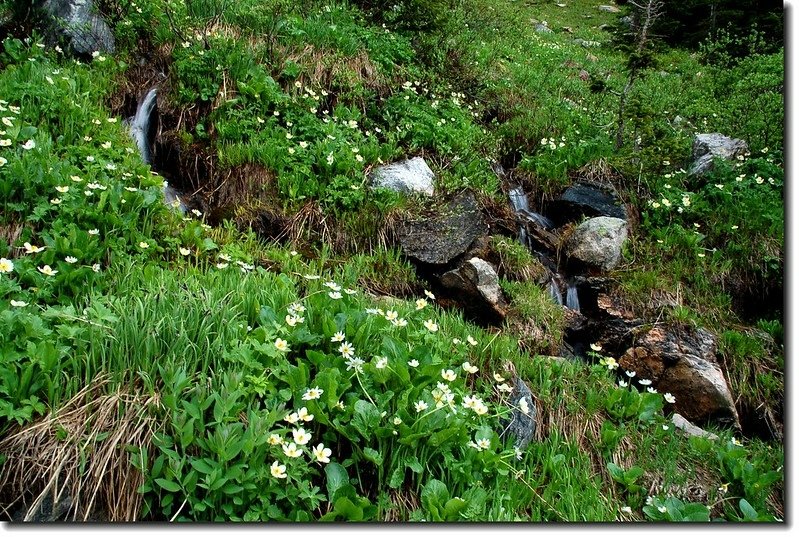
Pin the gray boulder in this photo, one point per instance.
(412, 176)
(440, 236)
(598, 241)
(682, 361)
(543, 28)
(608, 9)
(477, 283)
(708, 147)
(78, 22)
(521, 426)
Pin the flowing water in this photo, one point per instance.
(572, 301)
(521, 206)
(140, 131)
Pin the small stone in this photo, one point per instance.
(521, 425)
(411, 176)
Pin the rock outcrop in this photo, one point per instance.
(477, 285)
(522, 424)
(683, 362)
(77, 23)
(586, 200)
(440, 237)
(689, 428)
(708, 147)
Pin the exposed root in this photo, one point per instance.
(77, 457)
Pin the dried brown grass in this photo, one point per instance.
(79, 453)
(10, 233)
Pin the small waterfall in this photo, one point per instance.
(572, 301)
(140, 124)
(140, 131)
(537, 218)
(518, 200)
(554, 292)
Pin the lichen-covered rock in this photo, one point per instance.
(708, 147)
(78, 23)
(440, 237)
(597, 242)
(412, 176)
(683, 362)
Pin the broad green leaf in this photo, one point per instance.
(166, 484)
(336, 478)
(366, 417)
(453, 508)
(749, 512)
(348, 510)
(372, 455)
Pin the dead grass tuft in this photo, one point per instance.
(328, 69)
(78, 455)
(10, 233)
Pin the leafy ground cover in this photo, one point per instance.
(232, 378)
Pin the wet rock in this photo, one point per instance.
(440, 237)
(583, 199)
(522, 424)
(412, 176)
(477, 283)
(597, 242)
(77, 23)
(535, 233)
(689, 428)
(46, 511)
(708, 147)
(682, 361)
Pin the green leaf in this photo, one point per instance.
(208, 245)
(202, 465)
(453, 508)
(439, 437)
(336, 478)
(616, 472)
(749, 512)
(348, 510)
(372, 455)
(166, 484)
(696, 512)
(632, 474)
(434, 496)
(366, 417)
(414, 464)
(397, 477)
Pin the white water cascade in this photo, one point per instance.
(521, 206)
(572, 301)
(140, 131)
